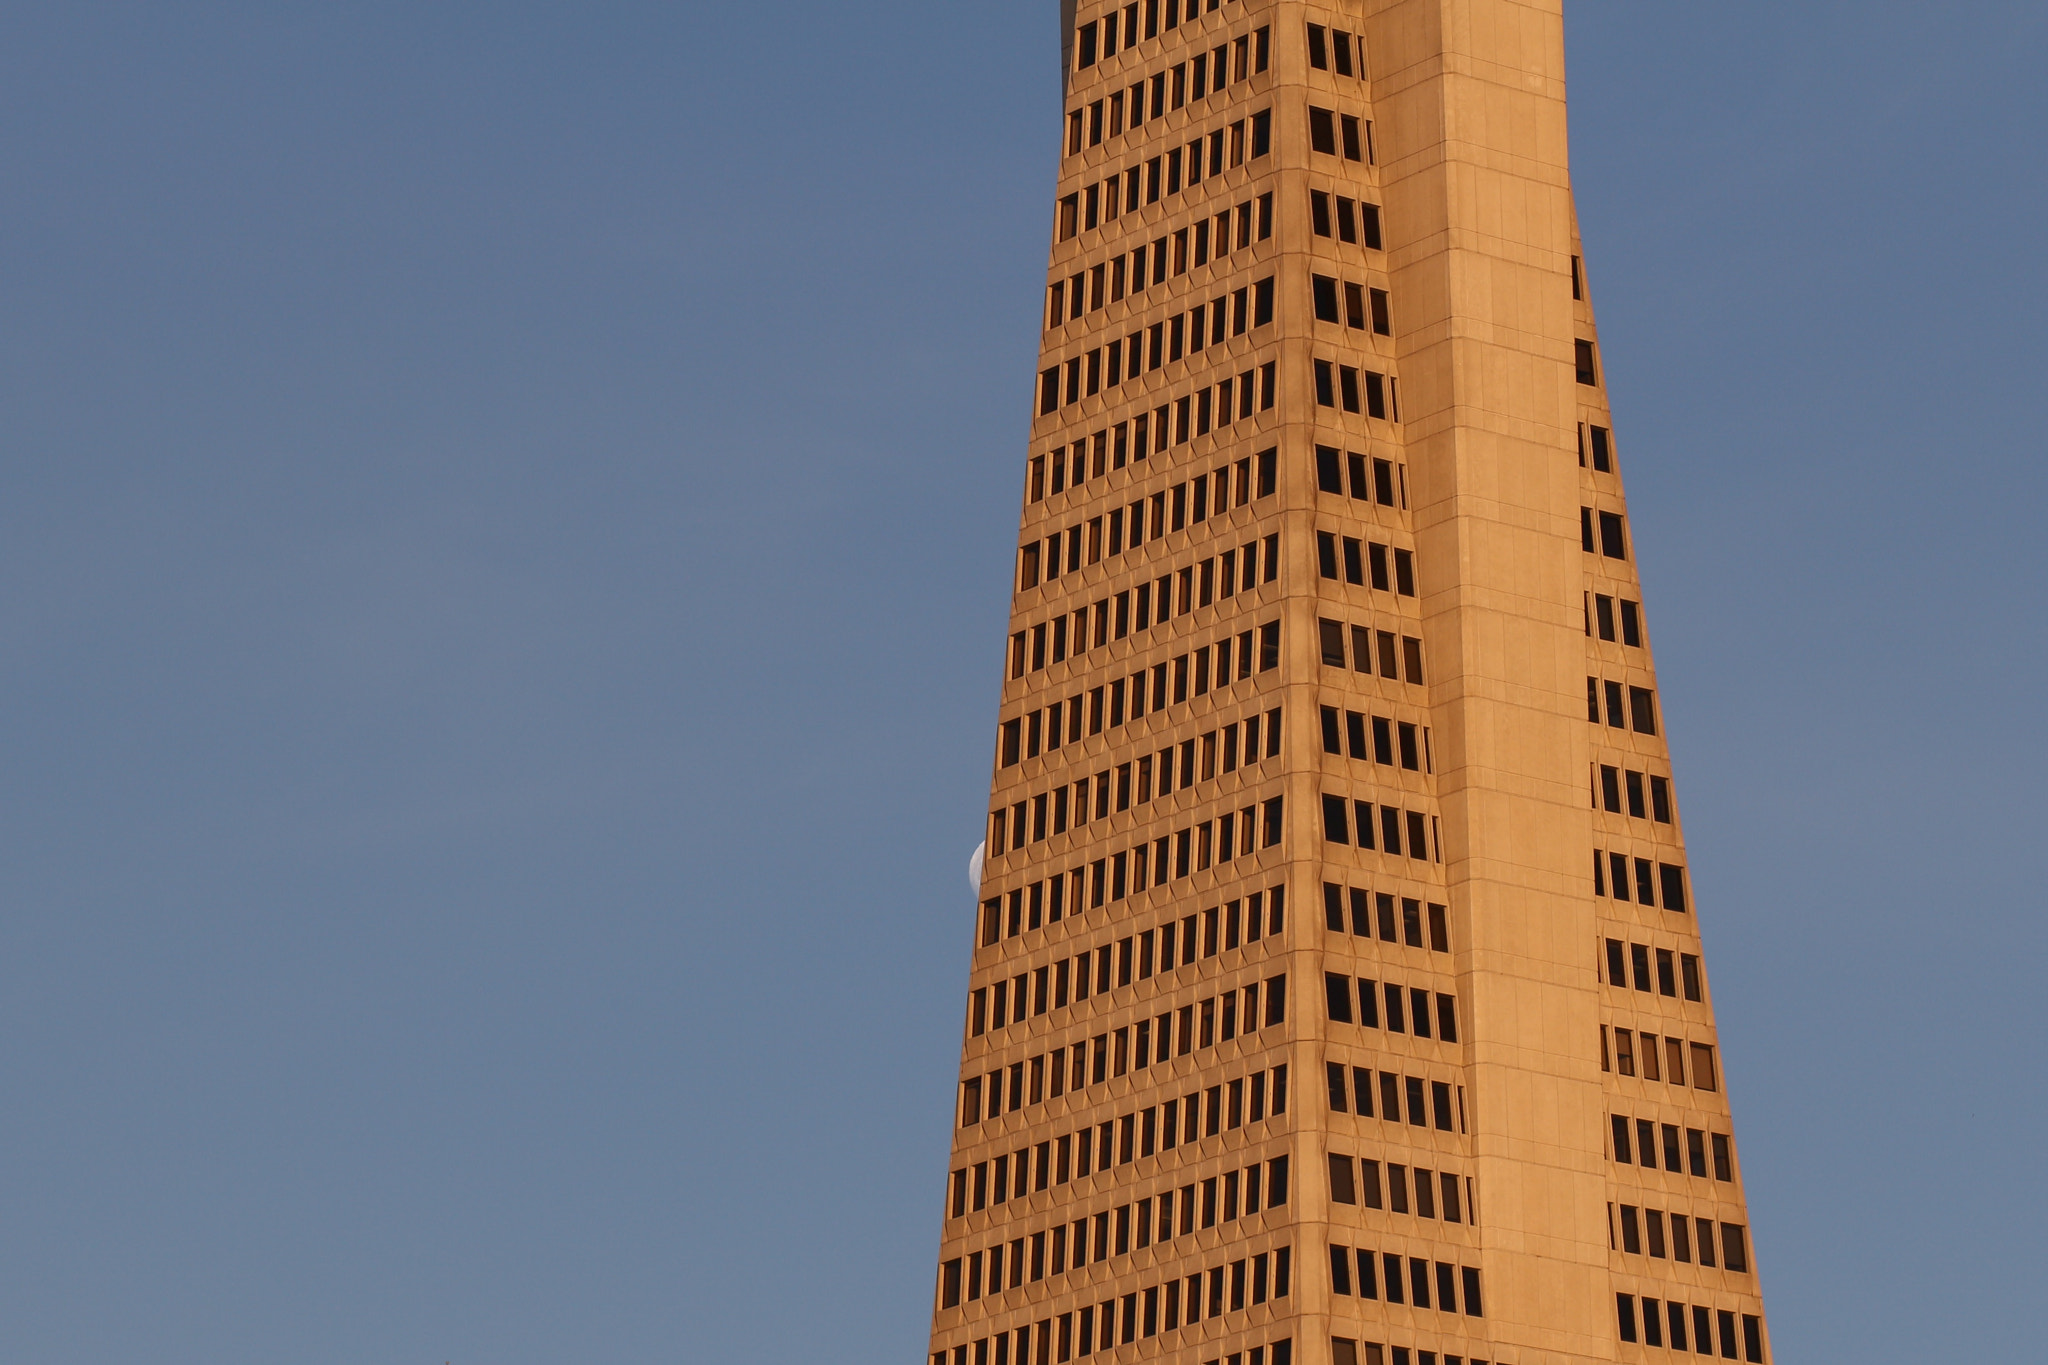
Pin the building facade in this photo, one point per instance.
(1336, 994)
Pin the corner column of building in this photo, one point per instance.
(1470, 99)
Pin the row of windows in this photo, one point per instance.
(1659, 1063)
(1640, 715)
(1363, 307)
(1128, 442)
(1129, 872)
(1365, 563)
(1132, 611)
(1429, 1103)
(1162, 177)
(1107, 282)
(1332, 50)
(1282, 1354)
(1703, 1321)
(1134, 957)
(1600, 614)
(1643, 1229)
(1411, 924)
(1339, 386)
(1357, 1181)
(1328, 131)
(1344, 1351)
(1612, 543)
(1184, 674)
(1387, 486)
(1603, 450)
(1143, 1314)
(1189, 82)
(1074, 1156)
(1172, 509)
(1068, 1159)
(1133, 1048)
(1097, 38)
(1259, 914)
(1211, 407)
(1407, 1010)
(1166, 341)
(1226, 1103)
(1193, 760)
(1341, 817)
(1116, 1232)
(1170, 857)
(1611, 870)
(1417, 1287)
(1347, 220)
(1198, 756)
(1399, 657)
(1610, 784)
(1667, 981)
(1693, 1159)
(1352, 726)
(1048, 726)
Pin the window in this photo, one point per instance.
(1582, 352)
(1672, 883)
(1603, 459)
(1703, 1066)
(1642, 710)
(1322, 130)
(1352, 146)
(1612, 543)
(1332, 634)
(1325, 292)
(1342, 1189)
(1734, 1248)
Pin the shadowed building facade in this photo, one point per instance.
(1336, 993)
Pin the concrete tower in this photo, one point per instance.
(1337, 992)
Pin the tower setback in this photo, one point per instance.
(1337, 995)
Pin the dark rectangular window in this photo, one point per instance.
(1673, 886)
(1612, 543)
(1642, 711)
(1322, 131)
(1337, 992)
(1336, 828)
(1324, 289)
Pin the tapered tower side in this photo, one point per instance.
(1336, 995)
(1470, 94)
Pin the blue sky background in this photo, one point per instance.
(504, 525)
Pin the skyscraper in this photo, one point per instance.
(1336, 995)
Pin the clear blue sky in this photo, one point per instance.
(504, 525)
